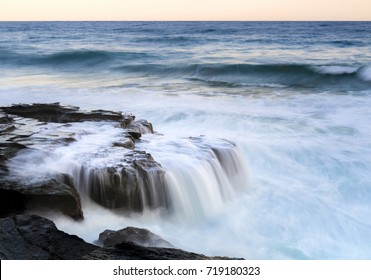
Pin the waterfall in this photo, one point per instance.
(189, 178)
(202, 174)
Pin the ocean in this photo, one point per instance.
(294, 97)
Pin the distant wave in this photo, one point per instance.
(346, 77)
(75, 58)
(179, 40)
(342, 77)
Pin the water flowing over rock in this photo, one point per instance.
(53, 156)
(98, 150)
(136, 184)
(203, 176)
(133, 184)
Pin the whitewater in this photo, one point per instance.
(291, 100)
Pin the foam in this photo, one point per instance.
(365, 73)
(336, 70)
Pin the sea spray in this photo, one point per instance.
(296, 102)
(195, 176)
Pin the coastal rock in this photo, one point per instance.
(31, 237)
(11, 202)
(139, 236)
(7, 151)
(54, 112)
(17, 196)
(129, 185)
(131, 251)
(137, 183)
(6, 123)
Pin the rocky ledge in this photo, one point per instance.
(128, 186)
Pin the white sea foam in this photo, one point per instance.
(307, 148)
(336, 69)
(365, 73)
(309, 171)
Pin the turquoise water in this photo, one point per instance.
(294, 96)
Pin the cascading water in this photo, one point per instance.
(201, 173)
(196, 176)
(296, 103)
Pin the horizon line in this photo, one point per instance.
(200, 20)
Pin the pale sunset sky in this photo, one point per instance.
(185, 10)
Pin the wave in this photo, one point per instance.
(340, 77)
(79, 58)
(293, 75)
(178, 40)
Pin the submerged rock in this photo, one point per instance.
(139, 236)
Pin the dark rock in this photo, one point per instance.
(9, 150)
(135, 134)
(126, 121)
(11, 202)
(6, 123)
(30, 237)
(141, 126)
(54, 112)
(5, 119)
(131, 251)
(127, 143)
(45, 195)
(139, 236)
(137, 183)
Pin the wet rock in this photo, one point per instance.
(7, 151)
(54, 112)
(6, 123)
(40, 196)
(139, 236)
(135, 134)
(136, 184)
(31, 237)
(141, 126)
(11, 202)
(131, 251)
(127, 143)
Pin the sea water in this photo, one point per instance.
(294, 97)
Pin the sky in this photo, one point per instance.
(185, 10)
